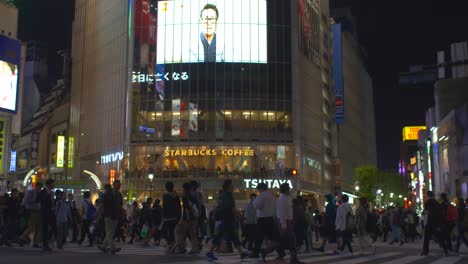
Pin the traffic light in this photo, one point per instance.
(292, 172)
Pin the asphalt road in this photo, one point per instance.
(136, 254)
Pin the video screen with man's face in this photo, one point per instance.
(200, 31)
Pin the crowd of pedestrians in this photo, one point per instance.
(42, 217)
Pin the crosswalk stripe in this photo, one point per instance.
(447, 260)
(367, 258)
(324, 258)
(405, 260)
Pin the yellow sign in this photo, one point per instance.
(413, 161)
(71, 151)
(208, 152)
(60, 151)
(411, 132)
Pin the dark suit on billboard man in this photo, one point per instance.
(208, 51)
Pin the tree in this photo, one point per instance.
(366, 176)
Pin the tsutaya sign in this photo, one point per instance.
(208, 152)
(271, 183)
(108, 158)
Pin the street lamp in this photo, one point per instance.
(356, 188)
(379, 191)
(400, 196)
(151, 177)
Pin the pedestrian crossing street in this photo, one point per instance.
(383, 256)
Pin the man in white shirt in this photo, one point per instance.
(265, 205)
(284, 214)
(342, 214)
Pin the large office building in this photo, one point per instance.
(202, 90)
(354, 104)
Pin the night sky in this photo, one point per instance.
(395, 34)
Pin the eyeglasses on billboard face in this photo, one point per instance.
(209, 19)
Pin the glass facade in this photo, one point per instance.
(219, 100)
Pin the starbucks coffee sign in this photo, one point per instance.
(208, 152)
(271, 183)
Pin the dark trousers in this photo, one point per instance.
(250, 235)
(285, 240)
(346, 238)
(74, 228)
(48, 227)
(169, 231)
(62, 229)
(447, 232)
(430, 231)
(265, 229)
(228, 231)
(85, 224)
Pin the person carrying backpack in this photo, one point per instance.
(89, 213)
(345, 224)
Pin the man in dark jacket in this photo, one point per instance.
(227, 208)
(171, 213)
(46, 198)
(112, 211)
(434, 223)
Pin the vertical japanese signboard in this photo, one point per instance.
(2, 142)
(13, 161)
(338, 86)
(60, 151)
(71, 152)
(34, 148)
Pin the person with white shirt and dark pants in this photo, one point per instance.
(342, 214)
(265, 205)
(284, 214)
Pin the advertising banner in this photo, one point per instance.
(193, 117)
(34, 148)
(309, 23)
(411, 132)
(338, 86)
(10, 54)
(60, 151)
(13, 161)
(175, 131)
(2, 142)
(71, 152)
(212, 31)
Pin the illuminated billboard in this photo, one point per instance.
(10, 57)
(8, 86)
(212, 31)
(411, 132)
(60, 151)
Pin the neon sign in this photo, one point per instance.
(113, 157)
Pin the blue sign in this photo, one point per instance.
(338, 87)
(13, 161)
(10, 50)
